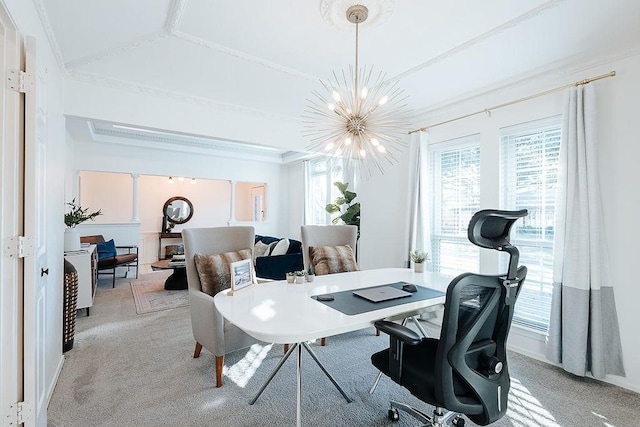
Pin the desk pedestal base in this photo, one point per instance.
(298, 347)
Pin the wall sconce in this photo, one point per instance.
(170, 181)
(193, 180)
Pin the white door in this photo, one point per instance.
(11, 173)
(35, 268)
(258, 202)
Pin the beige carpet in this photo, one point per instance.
(149, 294)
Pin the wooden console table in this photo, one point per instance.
(166, 236)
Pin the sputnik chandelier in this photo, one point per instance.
(361, 119)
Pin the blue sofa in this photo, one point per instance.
(276, 267)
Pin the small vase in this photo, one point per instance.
(310, 277)
(418, 267)
(299, 279)
(71, 239)
(290, 278)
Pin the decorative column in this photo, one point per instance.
(232, 209)
(134, 210)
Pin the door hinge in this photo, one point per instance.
(20, 81)
(18, 247)
(19, 413)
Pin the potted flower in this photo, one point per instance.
(300, 276)
(291, 277)
(310, 274)
(76, 215)
(418, 257)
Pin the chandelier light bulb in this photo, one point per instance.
(381, 149)
(374, 142)
(338, 152)
(364, 92)
(347, 141)
(329, 146)
(336, 96)
(331, 107)
(363, 153)
(383, 100)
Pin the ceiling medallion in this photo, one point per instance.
(379, 12)
(361, 118)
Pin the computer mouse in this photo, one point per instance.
(409, 288)
(324, 297)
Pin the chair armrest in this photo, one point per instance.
(399, 332)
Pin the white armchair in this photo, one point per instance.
(210, 329)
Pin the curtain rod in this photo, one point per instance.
(495, 107)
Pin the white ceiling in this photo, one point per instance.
(267, 56)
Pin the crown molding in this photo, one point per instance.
(53, 42)
(557, 71)
(244, 56)
(175, 16)
(115, 51)
(175, 96)
(533, 13)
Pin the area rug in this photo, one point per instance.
(150, 296)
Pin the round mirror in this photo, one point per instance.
(178, 210)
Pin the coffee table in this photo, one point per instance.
(177, 280)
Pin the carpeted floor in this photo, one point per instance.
(127, 369)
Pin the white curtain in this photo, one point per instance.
(583, 332)
(419, 235)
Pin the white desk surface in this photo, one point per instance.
(280, 312)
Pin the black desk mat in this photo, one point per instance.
(348, 303)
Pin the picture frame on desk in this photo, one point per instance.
(242, 275)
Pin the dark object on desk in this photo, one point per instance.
(409, 288)
(111, 256)
(277, 266)
(325, 297)
(345, 302)
(466, 370)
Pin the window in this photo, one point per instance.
(455, 185)
(320, 191)
(528, 176)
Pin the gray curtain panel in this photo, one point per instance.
(419, 234)
(583, 331)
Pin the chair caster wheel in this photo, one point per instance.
(458, 422)
(394, 415)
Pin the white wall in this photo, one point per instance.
(109, 157)
(26, 18)
(382, 199)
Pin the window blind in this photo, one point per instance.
(529, 176)
(455, 185)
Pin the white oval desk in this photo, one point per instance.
(284, 313)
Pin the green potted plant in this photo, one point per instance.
(344, 205)
(310, 274)
(291, 276)
(418, 257)
(300, 276)
(76, 215)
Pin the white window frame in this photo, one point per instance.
(437, 237)
(333, 171)
(536, 248)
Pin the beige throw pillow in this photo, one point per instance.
(260, 249)
(214, 270)
(332, 259)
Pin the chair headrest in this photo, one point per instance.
(490, 228)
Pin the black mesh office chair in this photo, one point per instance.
(465, 371)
